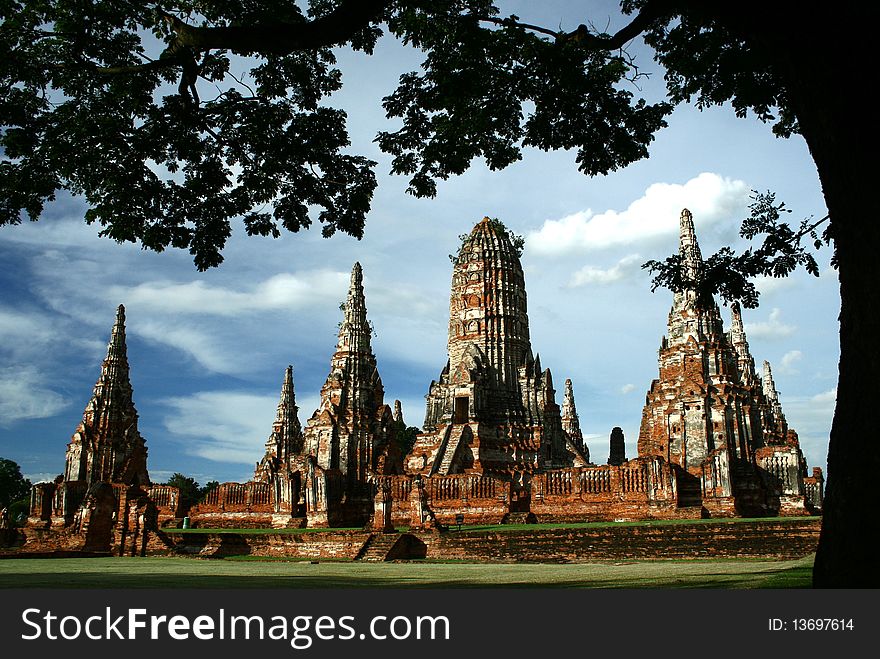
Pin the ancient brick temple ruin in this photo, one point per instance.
(493, 411)
(322, 475)
(495, 445)
(712, 419)
(104, 500)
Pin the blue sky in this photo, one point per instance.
(208, 350)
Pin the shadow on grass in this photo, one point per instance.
(798, 576)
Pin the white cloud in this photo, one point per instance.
(811, 417)
(625, 389)
(24, 394)
(788, 361)
(772, 328)
(199, 345)
(15, 324)
(232, 426)
(224, 426)
(40, 477)
(281, 291)
(709, 197)
(768, 285)
(624, 268)
(26, 335)
(825, 397)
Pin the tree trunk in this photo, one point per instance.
(847, 555)
(828, 79)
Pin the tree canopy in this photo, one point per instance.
(102, 100)
(88, 105)
(190, 491)
(13, 486)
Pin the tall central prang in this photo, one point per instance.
(493, 409)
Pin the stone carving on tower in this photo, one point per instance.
(493, 410)
(106, 446)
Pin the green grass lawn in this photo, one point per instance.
(216, 573)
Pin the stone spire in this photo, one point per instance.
(769, 386)
(693, 314)
(117, 353)
(286, 415)
(287, 425)
(737, 331)
(286, 438)
(771, 395)
(570, 421)
(344, 432)
(106, 445)
(355, 330)
(689, 248)
(112, 397)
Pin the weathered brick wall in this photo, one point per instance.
(773, 539)
(235, 505)
(642, 488)
(168, 502)
(48, 540)
(335, 545)
(481, 499)
(760, 539)
(231, 520)
(577, 509)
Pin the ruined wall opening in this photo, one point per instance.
(460, 412)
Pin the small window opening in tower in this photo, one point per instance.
(461, 410)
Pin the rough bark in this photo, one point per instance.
(847, 547)
(828, 87)
(825, 63)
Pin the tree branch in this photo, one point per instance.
(337, 27)
(582, 33)
(152, 65)
(805, 231)
(509, 22)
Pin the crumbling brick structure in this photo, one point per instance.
(495, 446)
(720, 427)
(104, 501)
(493, 410)
(321, 475)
